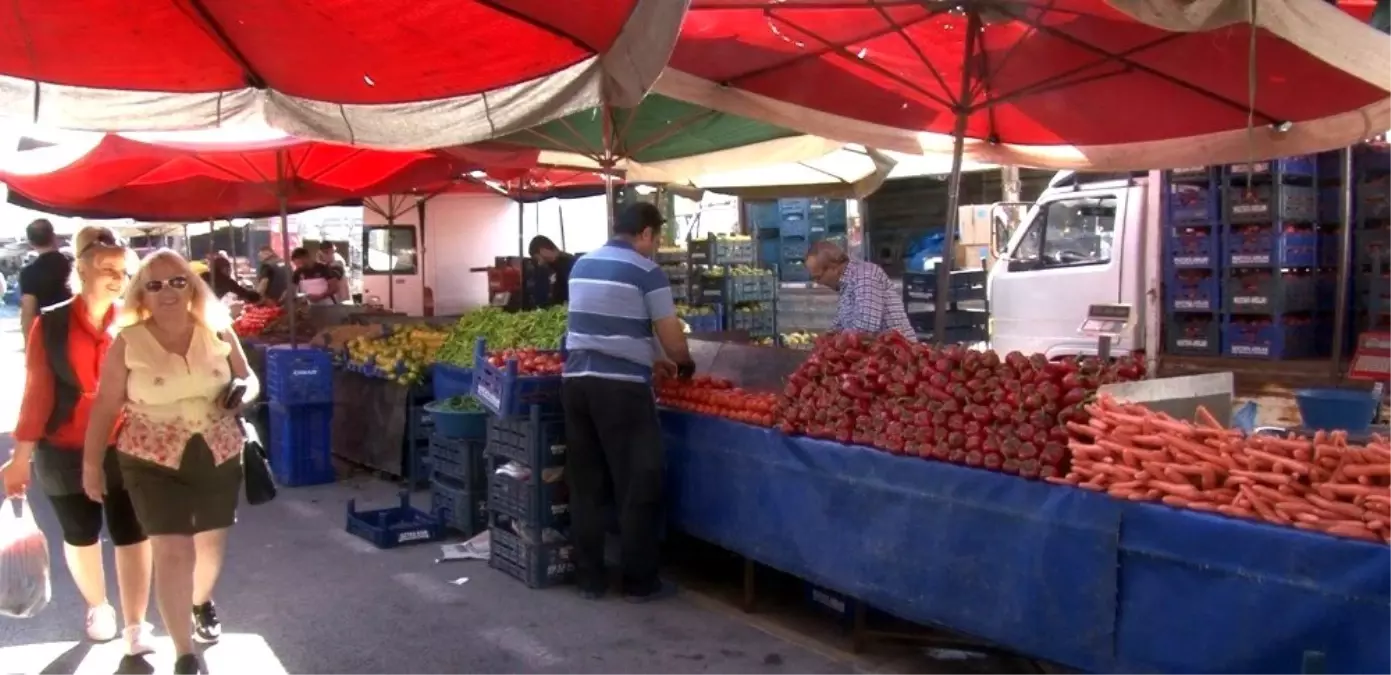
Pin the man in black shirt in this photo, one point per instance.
(43, 282)
(545, 252)
(317, 281)
(272, 278)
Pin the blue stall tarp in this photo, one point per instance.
(1016, 562)
(1204, 593)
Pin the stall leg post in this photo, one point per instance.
(750, 574)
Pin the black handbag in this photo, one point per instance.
(260, 483)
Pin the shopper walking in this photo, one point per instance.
(43, 281)
(172, 368)
(619, 301)
(64, 355)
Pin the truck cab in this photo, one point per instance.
(1088, 239)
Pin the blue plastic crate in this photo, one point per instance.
(1270, 247)
(396, 526)
(750, 288)
(450, 380)
(706, 323)
(1193, 203)
(458, 507)
(300, 451)
(1272, 203)
(721, 251)
(758, 323)
(533, 502)
(1298, 165)
(1197, 248)
(1193, 291)
(460, 460)
(1372, 198)
(1193, 335)
(1255, 291)
(299, 375)
(1372, 250)
(1270, 338)
(538, 565)
(506, 393)
(535, 440)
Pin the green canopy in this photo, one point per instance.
(660, 129)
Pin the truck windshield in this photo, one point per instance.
(1070, 232)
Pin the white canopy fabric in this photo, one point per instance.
(1318, 28)
(849, 172)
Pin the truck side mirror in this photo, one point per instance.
(1005, 218)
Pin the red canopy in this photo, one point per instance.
(372, 72)
(121, 177)
(1065, 79)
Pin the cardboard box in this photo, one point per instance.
(969, 257)
(974, 224)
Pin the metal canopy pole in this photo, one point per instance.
(282, 196)
(606, 164)
(940, 298)
(1340, 306)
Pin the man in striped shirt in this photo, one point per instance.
(620, 300)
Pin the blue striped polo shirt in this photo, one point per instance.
(615, 295)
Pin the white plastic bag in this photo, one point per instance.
(25, 586)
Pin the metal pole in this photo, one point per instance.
(521, 250)
(940, 300)
(188, 245)
(1340, 306)
(284, 200)
(606, 165)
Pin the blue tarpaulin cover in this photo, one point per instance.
(1052, 572)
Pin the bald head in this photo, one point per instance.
(825, 263)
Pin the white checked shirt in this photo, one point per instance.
(868, 303)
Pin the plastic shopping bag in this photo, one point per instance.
(25, 587)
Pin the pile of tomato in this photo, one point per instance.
(255, 318)
(530, 361)
(718, 397)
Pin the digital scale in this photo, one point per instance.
(1105, 323)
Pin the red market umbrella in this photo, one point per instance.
(381, 73)
(1082, 84)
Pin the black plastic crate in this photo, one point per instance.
(1193, 335)
(1247, 291)
(533, 502)
(460, 459)
(963, 284)
(538, 565)
(459, 508)
(1268, 203)
(534, 440)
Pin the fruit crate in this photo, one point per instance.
(1193, 291)
(721, 251)
(299, 375)
(533, 501)
(670, 256)
(1329, 247)
(450, 380)
(1193, 335)
(1268, 246)
(538, 565)
(1372, 250)
(300, 452)
(750, 288)
(396, 526)
(1193, 203)
(1271, 203)
(1371, 196)
(537, 440)
(706, 323)
(459, 459)
(1272, 338)
(507, 393)
(761, 323)
(1195, 248)
(459, 508)
(1248, 291)
(1303, 166)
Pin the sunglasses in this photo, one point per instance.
(176, 283)
(103, 240)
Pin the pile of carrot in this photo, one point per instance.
(1320, 483)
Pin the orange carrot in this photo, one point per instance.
(1175, 500)
(1278, 461)
(1263, 476)
(1084, 430)
(1206, 419)
(1341, 508)
(1235, 511)
(1070, 479)
(1336, 490)
(1368, 470)
(1175, 488)
(1351, 531)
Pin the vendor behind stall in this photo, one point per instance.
(328, 255)
(619, 301)
(557, 263)
(272, 276)
(219, 278)
(316, 281)
(867, 301)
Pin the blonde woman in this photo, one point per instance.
(66, 346)
(179, 451)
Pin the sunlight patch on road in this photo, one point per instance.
(236, 653)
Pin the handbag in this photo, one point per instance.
(256, 473)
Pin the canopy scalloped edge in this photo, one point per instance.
(1321, 29)
(624, 74)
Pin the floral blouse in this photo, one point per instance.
(172, 397)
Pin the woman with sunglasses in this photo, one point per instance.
(179, 450)
(63, 358)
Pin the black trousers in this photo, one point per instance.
(612, 432)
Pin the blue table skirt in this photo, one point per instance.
(1056, 573)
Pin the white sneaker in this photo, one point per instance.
(139, 639)
(101, 623)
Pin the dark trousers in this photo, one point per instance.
(612, 433)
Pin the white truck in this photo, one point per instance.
(1081, 244)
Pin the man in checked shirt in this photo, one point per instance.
(867, 302)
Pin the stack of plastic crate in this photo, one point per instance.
(1371, 238)
(299, 387)
(528, 503)
(1270, 288)
(459, 483)
(1193, 261)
